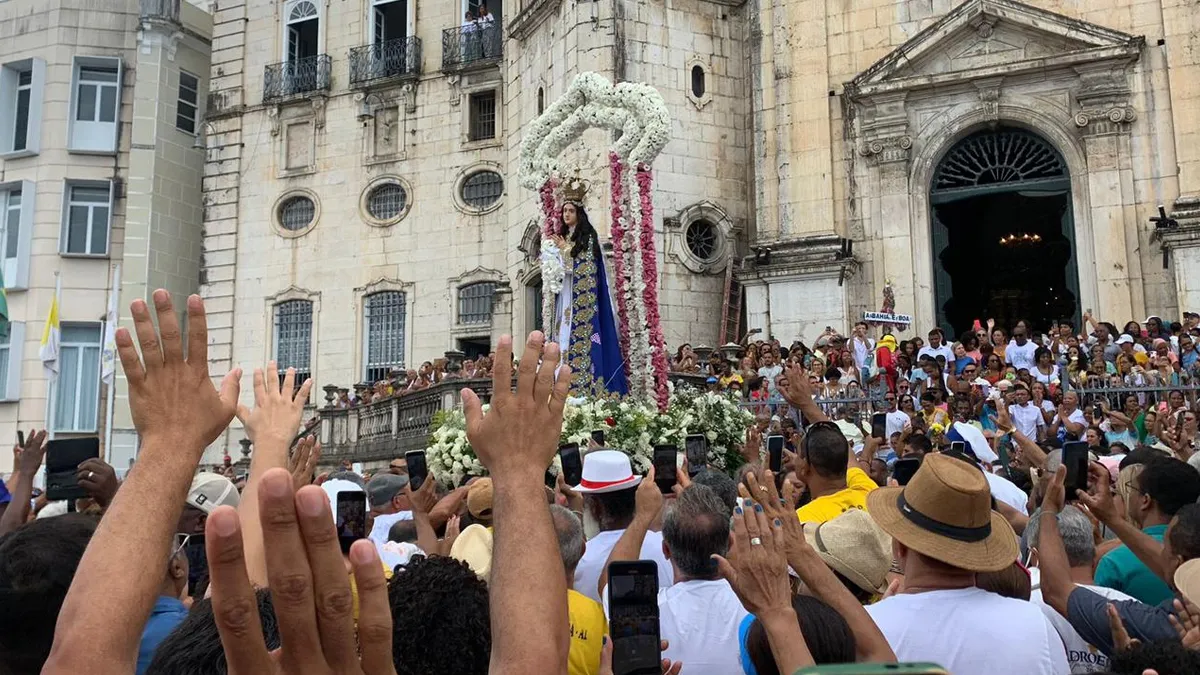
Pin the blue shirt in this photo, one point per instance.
(166, 615)
(1121, 569)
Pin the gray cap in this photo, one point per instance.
(384, 487)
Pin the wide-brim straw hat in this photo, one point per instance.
(855, 547)
(1187, 580)
(945, 513)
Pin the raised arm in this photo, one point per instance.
(629, 546)
(1052, 554)
(177, 413)
(799, 395)
(516, 440)
(29, 461)
(1145, 547)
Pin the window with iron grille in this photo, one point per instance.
(475, 302)
(387, 201)
(483, 115)
(482, 189)
(383, 319)
(293, 338)
(297, 213)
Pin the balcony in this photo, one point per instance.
(473, 45)
(159, 10)
(394, 59)
(296, 78)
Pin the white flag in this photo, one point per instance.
(51, 334)
(109, 355)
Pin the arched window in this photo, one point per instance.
(698, 83)
(384, 315)
(475, 302)
(301, 11)
(293, 338)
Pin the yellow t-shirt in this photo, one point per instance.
(826, 508)
(588, 627)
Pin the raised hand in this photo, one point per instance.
(98, 479)
(799, 389)
(171, 396)
(756, 566)
(1187, 625)
(309, 588)
(28, 459)
(1120, 636)
(278, 407)
(303, 462)
(776, 509)
(1101, 504)
(648, 498)
(606, 655)
(519, 434)
(1056, 493)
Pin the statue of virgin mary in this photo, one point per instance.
(585, 323)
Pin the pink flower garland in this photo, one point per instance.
(550, 211)
(616, 171)
(658, 352)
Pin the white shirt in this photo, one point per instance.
(932, 353)
(1020, 356)
(700, 621)
(769, 373)
(1045, 379)
(383, 523)
(1004, 490)
(1027, 419)
(595, 555)
(971, 632)
(1083, 657)
(896, 421)
(862, 349)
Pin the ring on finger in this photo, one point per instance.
(755, 541)
(91, 475)
(762, 488)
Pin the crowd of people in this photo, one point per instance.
(400, 382)
(942, 532)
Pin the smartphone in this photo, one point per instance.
(879, 426)
(20, 438)
(696, 449)
(633, 617)
(572, 465)
(875, 669)
(597, 437)
(1097, 413)
(665, 463)
(418, 470)
(904, 469)
(775, 453)
(63, 457)
(351, 518)
(1075, 458)
(959, 447)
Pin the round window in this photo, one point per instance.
(387, 201)
(297, 213)
(701, 239)
(482, 189)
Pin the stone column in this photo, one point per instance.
(1103, 120)
(502, 315)
(1184, 244)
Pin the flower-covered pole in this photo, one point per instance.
(616, 171)
(553, 271)
(650, 293)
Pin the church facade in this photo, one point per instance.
(988, 158)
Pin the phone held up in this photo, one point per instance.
(904, 469)
(351, 518)
(633, 617)
(879, 426)
(418, 470)
(665, 463)
(63, 457)
(696, 447)
(598, 437)
(572, 464)
(1075, 458)
(775, 453)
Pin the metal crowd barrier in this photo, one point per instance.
(865, 402)
(1148, 395)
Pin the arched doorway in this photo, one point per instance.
(1003, 232)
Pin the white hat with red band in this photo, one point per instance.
(607, 471)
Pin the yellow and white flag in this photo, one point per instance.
(51, 336)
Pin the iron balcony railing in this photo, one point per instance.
(296, 77)
(394, 58)
(473, 43)
(164, 10)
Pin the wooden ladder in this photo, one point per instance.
(731, 310)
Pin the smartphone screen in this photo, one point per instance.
(879, 426)
(1075, 458)
(63, 457)
(775, 453)
(904, 469)
(696, 447)
(20, 438)
(572, 465)
(417, 469)
(633, 617)
(598, 437)
(351, 518)
(665, 463)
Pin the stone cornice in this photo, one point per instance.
(523, 24)
(811, 256)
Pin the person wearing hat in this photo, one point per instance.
(609, 488)
(1087, 611)
(943, 533)
(389, 504)
(479, 501)
(857, 550)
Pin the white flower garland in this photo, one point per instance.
(553, 270)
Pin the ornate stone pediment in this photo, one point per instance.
(988, 39)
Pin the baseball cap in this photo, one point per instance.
(210, 490)
(384, 487)
(1125, 339)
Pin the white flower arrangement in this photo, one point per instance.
(631, 426)
(553, 270)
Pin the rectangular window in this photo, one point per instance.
(189, 92)
(95, 105)
(483, 115)
(475, 303)
(383, 331)
(77, 390)
(21, 85)
(86, 219)
(11, 350)
(293, 338)
(16, 226)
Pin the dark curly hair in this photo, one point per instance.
(440, 618)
